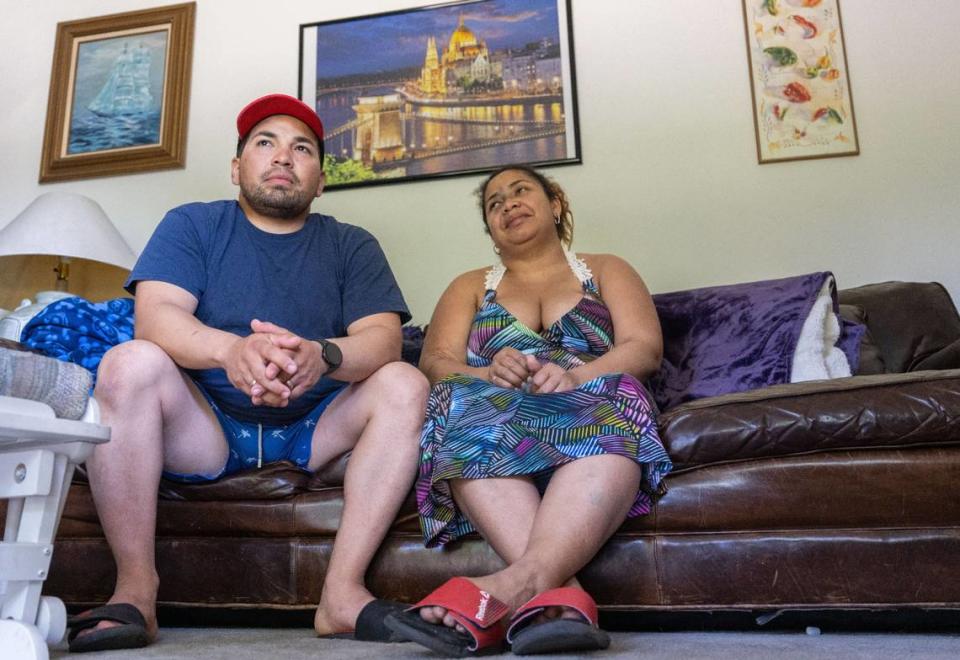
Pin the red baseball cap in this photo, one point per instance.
(277, 104)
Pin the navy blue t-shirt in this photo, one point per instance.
(314, 282)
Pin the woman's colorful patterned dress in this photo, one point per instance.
(476, 430)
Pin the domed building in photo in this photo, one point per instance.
(463, 47)
(464, 61)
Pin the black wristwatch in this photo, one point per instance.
(331, 355)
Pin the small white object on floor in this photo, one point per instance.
(813, 630)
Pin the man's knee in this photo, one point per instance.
(132, 367)
(400, 385)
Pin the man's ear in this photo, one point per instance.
(235, 171)
(321, 184)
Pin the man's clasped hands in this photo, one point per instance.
(273, 365)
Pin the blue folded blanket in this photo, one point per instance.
(79, 331)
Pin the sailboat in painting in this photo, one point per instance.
(127, 90)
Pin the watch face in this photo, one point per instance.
(332, 354)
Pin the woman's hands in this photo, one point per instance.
(552, 377)
(513, 370)
(510, 368)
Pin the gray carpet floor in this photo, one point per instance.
(279, 643)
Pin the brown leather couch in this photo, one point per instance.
(830, 494)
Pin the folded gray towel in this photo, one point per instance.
(63, 386)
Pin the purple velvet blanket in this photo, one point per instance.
(739, 337)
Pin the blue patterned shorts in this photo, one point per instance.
(254, 445)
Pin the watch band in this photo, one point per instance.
(331, 354)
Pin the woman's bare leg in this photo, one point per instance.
(584, 504)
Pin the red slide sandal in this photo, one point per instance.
(476, 610)
(528, 636)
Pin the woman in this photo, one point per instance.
(539, 433)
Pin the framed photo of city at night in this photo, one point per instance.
(802, 103)
(442, 90)
(119, 93)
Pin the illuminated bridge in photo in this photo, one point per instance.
(354, 123)
(492, 122)
(556, 128)
(380, 128)
(507, 139)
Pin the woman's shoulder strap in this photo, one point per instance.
(582, 272)
(493, 277)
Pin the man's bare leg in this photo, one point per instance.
(157, 417)
(380, 420)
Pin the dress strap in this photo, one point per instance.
(582, 272)
(494, 275)
(577, 265)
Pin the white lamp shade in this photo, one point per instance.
(66, 225)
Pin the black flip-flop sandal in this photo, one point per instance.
(130, 634)
(370, 625)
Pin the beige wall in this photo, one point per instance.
(669, 179)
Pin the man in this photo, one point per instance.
(263, 333)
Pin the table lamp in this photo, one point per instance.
(65, 225)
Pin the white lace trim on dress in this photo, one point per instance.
(494, 275)
(577, 265)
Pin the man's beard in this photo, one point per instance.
(276, 202)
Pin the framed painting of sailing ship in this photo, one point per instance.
(450, 89)
(802, 103)
(119, 93)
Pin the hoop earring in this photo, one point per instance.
(496, 250)
(556, 219)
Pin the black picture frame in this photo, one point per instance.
(442, 90)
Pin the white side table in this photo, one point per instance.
(38, 453)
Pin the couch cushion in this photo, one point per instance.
(912, 322)
(892, 410)
(273, 481)
(844, 489)
(308, 513)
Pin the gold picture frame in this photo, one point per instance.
(119, 94)
(799, 82)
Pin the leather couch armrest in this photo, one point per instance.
(909, 321)
(887, 410)
(947, 357)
